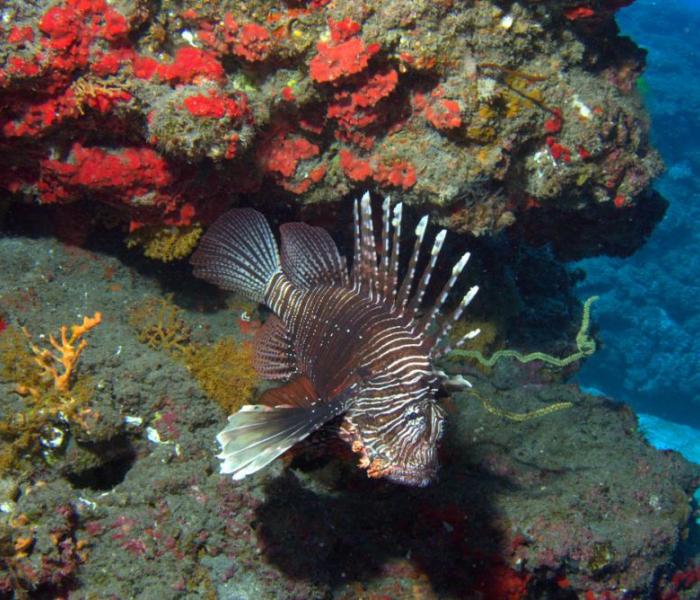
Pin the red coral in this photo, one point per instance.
(191, 65)
(444, 114)
(342, 31)
(376, 87)
(19, 35)
(357, 109)
(554, 123)
(398, 173)
(104, 100)
(441, 112)
(288, 94)
(394, 172)
(281, 154)
(109, 63)
(71, 28)
(355, 168)
(63, 26)
(23, 67)
(116, 26)
(252, 43)
(557, 150)
(215, 105)
(620, 201)
(39, 116)
(144, 67)
(119, 177)
(579, 12)
(340, 59)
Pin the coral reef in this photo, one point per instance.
(162, 110)
(55, 400)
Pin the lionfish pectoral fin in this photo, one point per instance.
(238, 253)
(310, 256)
(257, 434)
(273, 352)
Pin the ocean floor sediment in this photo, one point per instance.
(120, 495)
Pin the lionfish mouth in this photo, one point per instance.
(406, 474)
(414, 476)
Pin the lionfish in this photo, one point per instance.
(352, 346)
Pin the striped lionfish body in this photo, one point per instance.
(349, 345)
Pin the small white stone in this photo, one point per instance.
(7, 507)
(136, 421)
(506, 21)
(152, 435)
(188, 36)
(56, 440)
(89, 503)
(583, 110)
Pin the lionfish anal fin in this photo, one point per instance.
(299, 392)
(257, 434)
(273, 352)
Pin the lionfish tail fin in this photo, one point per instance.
(257, 434)
(238, 253)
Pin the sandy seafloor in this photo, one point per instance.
(133, 507)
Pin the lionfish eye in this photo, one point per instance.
(413, 413)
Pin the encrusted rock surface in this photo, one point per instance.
(486, 113)
(129, 502)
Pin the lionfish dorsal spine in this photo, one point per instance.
(404, 293)
(364, 270)
(427, 273)
(369, 250)
(375, 273)
(429, 319)
(384, 279)
(470, 335)
(450, 322)
(393, 274)
(357, 253)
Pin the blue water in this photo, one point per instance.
(648, 315)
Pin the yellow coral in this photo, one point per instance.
(225, 372)
(159, 325)
(86, 90)
(224, 369)
(165, 243)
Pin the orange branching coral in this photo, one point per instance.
(55, 398)
(60, 365)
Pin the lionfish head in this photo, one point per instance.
(399, 441)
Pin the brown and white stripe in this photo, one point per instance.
(350, 343)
